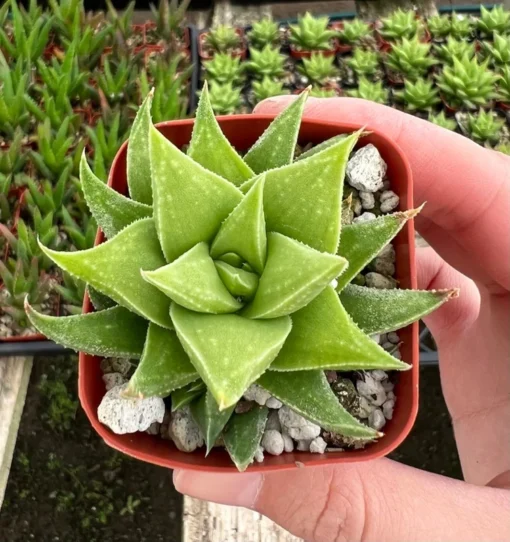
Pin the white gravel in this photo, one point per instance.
(366, 169)
(272, 442)
(184, 431)
(296, 426)
(258, 394)
(365, 217)
(389, 201)
(318, 445)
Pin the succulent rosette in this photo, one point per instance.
(222, 270)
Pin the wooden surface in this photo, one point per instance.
(209, 522)
(14, 377)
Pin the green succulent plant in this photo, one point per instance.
(71, 293)
(355, 32)
(241, 293)
(117, 80)
(462, 27)
(108, 135)
(223, 39)
(439, 26)
(420, 95)
(400, 24)
(170, 16)
(443, 121)
(364, 62)
(318, 92)
(56, 108)
(411, 58)
(267, 88)
(311, 33)
(319, 68)
(496, 19)
(485, 127)
(504, 85)
(268, 62)
(467, 83)
(455, 48)
(14, 95)
(52, 157)
(264, 32)
(503, 147)
(367, 90)
(12, 158)
(499, 51)
(122, 22)
(224, 68)
(225, 99)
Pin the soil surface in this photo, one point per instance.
(66, 485)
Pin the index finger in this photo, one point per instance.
(466, 187)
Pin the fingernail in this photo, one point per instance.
(233, 489)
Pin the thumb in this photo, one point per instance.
(373, 501)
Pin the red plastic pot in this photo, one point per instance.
(295, 53)
(242, 131)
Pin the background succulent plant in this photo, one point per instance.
(504, 85)
(355, 32)
(467, 83)
(225, 98)
(462, 26)
(442, 120)
(264, 32)
(496, 19)
(455, 48)
(364, 62)
(410, 57)
(311, 33)
(266, 62)
(400, 24)
(223, 39)
(375, 92)
(485, 126)
(439, 26)
(230, 297)
(224, 68)
(420, 95)
(319, 68)
(267, 88)
(320, 92)
(499, 51)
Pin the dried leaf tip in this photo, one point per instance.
(448, 294)
(151, 92)
(409, 214)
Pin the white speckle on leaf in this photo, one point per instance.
(389, 201)
(129, 415)
(184, 431)
(257, 393)
(334, 283)
(365, 217)
(376, 420)
(318, 446)
(111, 380)
(296, 426)
(273, 442)
(366, 169)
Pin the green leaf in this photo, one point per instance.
(113, 268)
(308, 393)
(190, 203)
(243, 435)
(164, 366)
(293, 276)
(113, 332)
(323, 336)
(321, 146)
(184, 396)
(304, 200)
(275, 147)
(229, 351)
(361, 242)
(381, 311)
(112, 211)
(211, 149)
(244, 231)
(209, 418)
(193, 282)
(138, 164)
(99, 300)
(231, 259)
(239, 283)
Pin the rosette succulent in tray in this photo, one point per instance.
(222, 271)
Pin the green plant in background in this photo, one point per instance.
(410, 57)
(504, 85)
(399, 25)
(485, 126)
(439, 26)
(496, 19)
(455, 48)
(420, 95)
(274, 319)
(499, 51)
(267, 88)
(82, 234)
(71, 292)
(108, 135)
(364, 62)
(467, 83)
(122, 22)
(318, 92)
(375, 92)
(55, 108)
(355, 32)
(311, 33)
(268, 62)
(225, 99)
(443, 121)
(503, 147)
(462, 27)
(52, 158)
(319, 68)
(264, 32)
(118, 84)
(64, 13)
(170, 17)
(12, 158)
(224, 68)
(223, 39)
(13, 97)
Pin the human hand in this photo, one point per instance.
(467, 222)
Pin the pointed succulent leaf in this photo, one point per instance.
(112, 211)
(209, 418)
(321, 146)
(138, 165)
(185, 396)
(113, 332)
(163, 368)
(361, 242)
(304, 200)
(239, 283)
(231, 258)
(99, 300)
(190, 203)
(293, 276)
(243, 435)
(113, 268)
(380, 311)
(193, 282)
(210, 148)
(275, 147)
(323, 336)
(308, 393)
(229, 351)
(244, 231)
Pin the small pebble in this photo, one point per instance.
(388, 346)
(244, 406)
(318, 446)
(384, 267)
(116, 365)
(113, 379)
(331, 376)
(273, 421)
(378, 375)
(303, 445)
(366, 169)
(388, 253)
(367, 200)
(393, 337)
(356, 206)
(376, 420)
(376, 280)
(288, 443)
(383, 338)
(154, 429)
(365, 217)
(396, 354)
(259, 455)
(257, 393)
(273, 402)
(389, 201)
(376, 338)
(390, 394)
(365, 408)
(272, 442)
(184, 431)
(296, 426)
(387, 408)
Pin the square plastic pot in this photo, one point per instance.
(243, 131)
